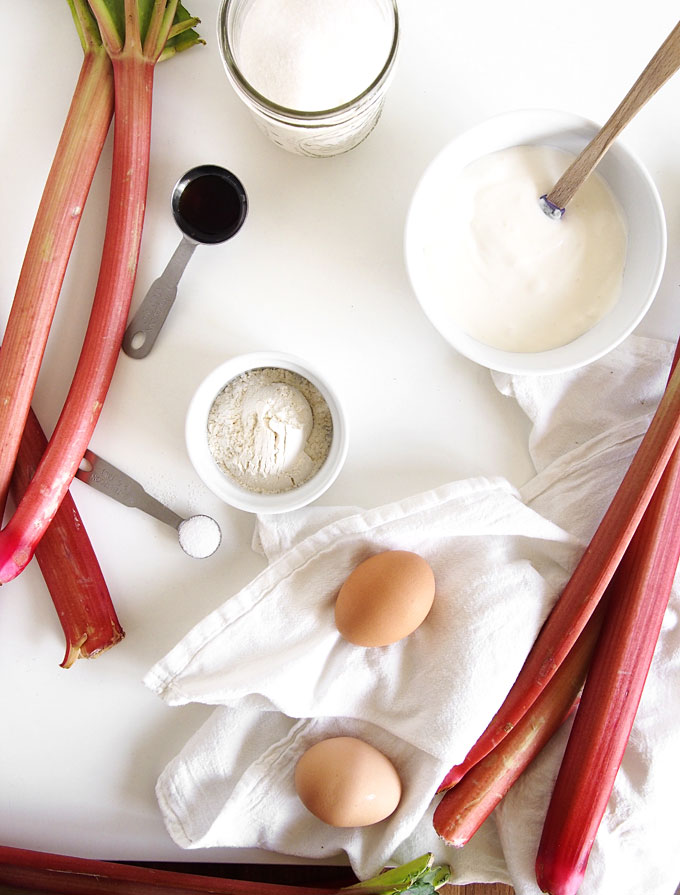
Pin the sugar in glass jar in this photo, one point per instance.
(313, 73)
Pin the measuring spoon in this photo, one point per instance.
(199, 536)
(209, 205)
(661, 66)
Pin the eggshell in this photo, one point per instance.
(346, 782)
(385, 598)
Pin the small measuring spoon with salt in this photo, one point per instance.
(199, 536)
(210, 205)
(661, 66)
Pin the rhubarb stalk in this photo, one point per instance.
(68, 564)
(591, 576)
(33, 872)
(466, 806)
(134, 43)
(51, 240)
(641, 590)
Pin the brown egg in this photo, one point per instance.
(385, 598)
(346, 782)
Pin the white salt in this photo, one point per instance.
(312, 55)
(199, 536)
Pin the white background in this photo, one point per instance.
(316, 271)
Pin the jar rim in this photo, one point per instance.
(305, 117)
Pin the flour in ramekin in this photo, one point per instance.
(270, 430)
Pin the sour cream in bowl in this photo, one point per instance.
(507, 286)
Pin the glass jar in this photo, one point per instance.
(310, 130)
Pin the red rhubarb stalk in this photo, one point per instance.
(133, 53)
(34, 872)
(591, 576)
(68, 564)
(51, 240)
(604, 719)
(466, 806)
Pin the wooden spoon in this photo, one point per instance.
(662, 65)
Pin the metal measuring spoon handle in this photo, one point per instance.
(113, 482)
(108, 479)
(142, 331)
(209, 205)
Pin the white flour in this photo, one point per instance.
(270, 430)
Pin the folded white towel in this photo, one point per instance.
(272, 661)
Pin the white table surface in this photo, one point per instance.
(317, 271)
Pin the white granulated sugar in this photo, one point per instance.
(270, 430)
(199, 536)
(312, 55)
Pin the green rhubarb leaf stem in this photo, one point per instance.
(180, 27)
(108, 26)
(418, 877)
(86, 25)
(159, 28)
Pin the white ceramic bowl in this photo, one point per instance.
(630, 183)
(196, 434)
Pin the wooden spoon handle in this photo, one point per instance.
(662, 65)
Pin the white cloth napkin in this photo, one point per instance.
(271, 660)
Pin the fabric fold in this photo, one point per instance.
(498, 567)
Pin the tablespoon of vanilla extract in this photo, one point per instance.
(661, 66)
(199, 536)
(209, 205)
